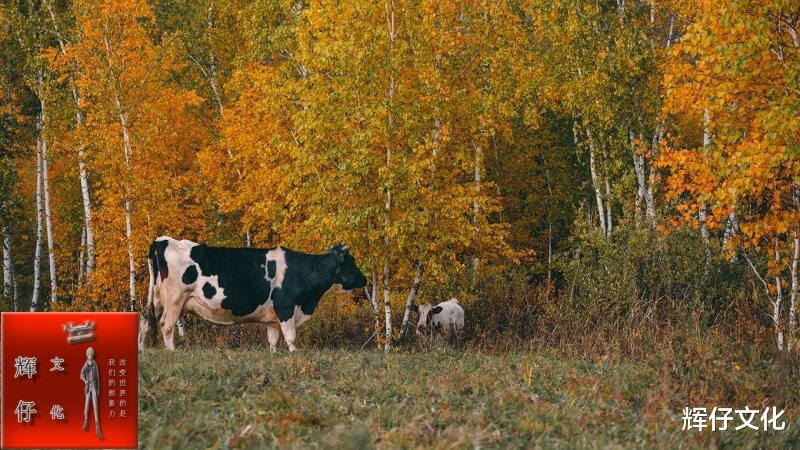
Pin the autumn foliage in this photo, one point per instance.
(450, 139)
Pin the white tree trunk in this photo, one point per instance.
(793, 274)
(47, 214)
(601, 210)
(412, 295)
(8, 263)
(437, 136)
(701, 214)
(128, 154)
(16, 291)
(776, 305)
(475, 206)
(373, 300)
(81, 261)
(128, 150)
(549, 226)
(38, 249)
(82, 170)
(477, 169)
(606, 182)
(131, 261)
(212, 61)
(638, 169)
(387, 297)
(706, 130)
(645, 190)
(793, 292)
(387, 220)
(731, 227)
(701, 218)
(87, 213)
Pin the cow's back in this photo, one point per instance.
(451, 318)
(232, 279)
(235, 276)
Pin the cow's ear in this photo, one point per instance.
(436, 310)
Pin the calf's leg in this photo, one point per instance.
(273, 333)
(288, 330)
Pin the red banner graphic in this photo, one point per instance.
(57, 368)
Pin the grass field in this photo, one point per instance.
(201, 398)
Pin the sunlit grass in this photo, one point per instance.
(200, 398)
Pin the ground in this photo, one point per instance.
(201, 398)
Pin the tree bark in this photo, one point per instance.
(387, 296)
(601, 210)
(387, 220)
(701, 214)
(793, 292)
(412, 295)
(776, 306)
(644, 193)
(731, 225)
(549, 226)
(639, 171)
(212, 62)
(8, 263)
(475, 207)
(16, 291)
(46, 188)
(127, 205)
(793, 273)
(701, 218)
(38, 248)
(373, 300)
(606, 182)
(127, 153)
(82, 170)
(81, 262)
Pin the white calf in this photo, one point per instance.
(445, 318)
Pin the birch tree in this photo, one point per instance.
(83, 173)
(729, 72)
(45, 182)
(141, 169)
(39, 213)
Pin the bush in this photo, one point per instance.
(641, 277)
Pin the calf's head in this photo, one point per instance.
(426, 313)
(348, 274)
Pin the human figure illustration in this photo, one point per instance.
(90, 376)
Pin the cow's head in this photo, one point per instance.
(426, 313)
(348, 274)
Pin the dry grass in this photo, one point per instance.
(207, 398)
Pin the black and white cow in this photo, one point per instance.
(277, 286)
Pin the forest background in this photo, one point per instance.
(606, 178)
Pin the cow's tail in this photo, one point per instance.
(148, 321)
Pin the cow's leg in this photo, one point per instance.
(273, 333)
(287, 327)
(168, 322)
(172, 300)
